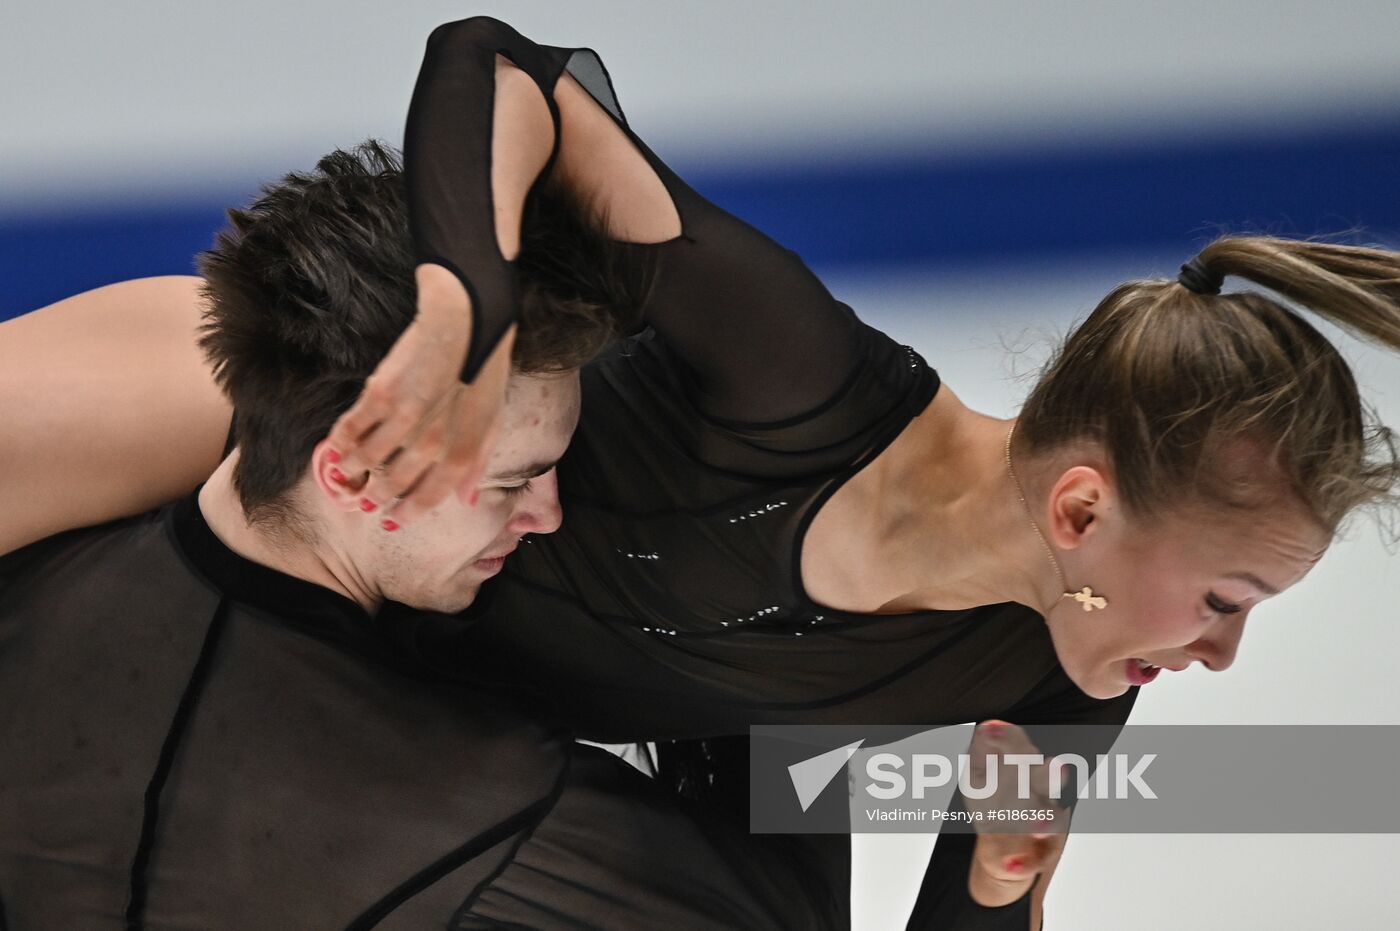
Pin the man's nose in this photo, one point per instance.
(539, 510)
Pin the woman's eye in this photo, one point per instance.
(1221, 607)
(515, 491)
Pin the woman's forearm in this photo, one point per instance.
(483, 98)
(107, 407)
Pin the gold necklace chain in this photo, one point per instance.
(1086, 595)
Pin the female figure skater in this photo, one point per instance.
(774, 513)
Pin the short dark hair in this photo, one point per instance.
(312, 283)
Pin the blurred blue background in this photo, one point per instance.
(897, 135)
(959, 173)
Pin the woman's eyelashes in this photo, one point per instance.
(1221, 607)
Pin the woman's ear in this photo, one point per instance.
(342, 490)
(1076, 501)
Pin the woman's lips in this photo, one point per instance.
(1137, 675)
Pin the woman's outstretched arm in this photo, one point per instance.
(107, 407)
(764, 339)
(484, 129)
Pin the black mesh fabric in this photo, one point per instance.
(720, 276)
(670, 604)
(193, 741)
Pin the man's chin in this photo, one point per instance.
(445, 602)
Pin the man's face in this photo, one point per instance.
(439, 561)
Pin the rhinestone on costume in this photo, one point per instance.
(759, 512)
(761, 612)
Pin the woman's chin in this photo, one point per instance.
(1101, 682)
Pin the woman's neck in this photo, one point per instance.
(953, 530)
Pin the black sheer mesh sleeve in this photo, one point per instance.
(447, 164)
(762, 338)
(944, 902)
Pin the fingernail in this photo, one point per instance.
(338, 476)
(475, 496)
(389, 524)
(332, 456)
(993, 729)
(367, 505)
(1014, 864)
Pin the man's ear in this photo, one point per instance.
(342, 490)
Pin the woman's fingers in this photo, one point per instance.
(465, 450)
(468, 464)
(414, 379)
(1020, 799)
(1005, 865)
(1025, 830)
(416, 432)
(390, 483)
(368, 412)
(422, 367)
(390, 443)
(471, 422)
(1018, 856)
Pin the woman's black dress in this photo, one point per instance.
(671, 604)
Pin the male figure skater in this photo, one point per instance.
(209, 715)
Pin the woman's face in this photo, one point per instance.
(1179, 591)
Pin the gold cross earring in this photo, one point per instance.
(1085, 595)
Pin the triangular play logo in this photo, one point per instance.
(810, 777)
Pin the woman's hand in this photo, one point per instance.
(1005, 862)
(417, 432)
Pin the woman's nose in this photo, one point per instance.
(1216, 648)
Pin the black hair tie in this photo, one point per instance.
(1195, 276)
